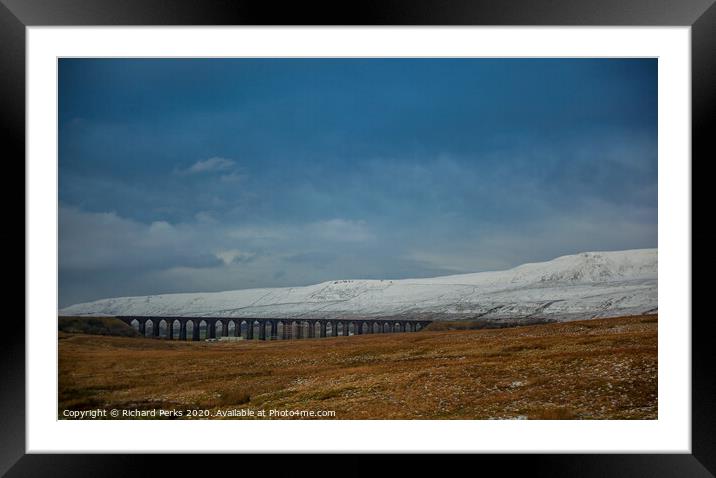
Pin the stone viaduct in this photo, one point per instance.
(191, 328)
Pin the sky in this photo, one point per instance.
(188, 175)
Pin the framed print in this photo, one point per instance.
(422, 228)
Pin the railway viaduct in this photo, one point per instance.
(265, 328)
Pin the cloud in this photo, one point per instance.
(234, 256)
(502, 246)
(320, 259)
(232, 177)
(328, 230)
(205, 217)
(341, 230)
(387, 219)
(259, 233)
(211, 165)
(104, 254)
(106, 241)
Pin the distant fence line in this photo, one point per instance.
(265, 329)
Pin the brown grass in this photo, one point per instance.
(598, 369)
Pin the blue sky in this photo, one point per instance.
(179, 175)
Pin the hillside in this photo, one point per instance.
(95, 326)
(586, 285)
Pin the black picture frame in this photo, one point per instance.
(700, 15)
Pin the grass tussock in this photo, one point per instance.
(597, 369)
(228, 397)
(561, 413)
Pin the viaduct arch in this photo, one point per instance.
(266, 328)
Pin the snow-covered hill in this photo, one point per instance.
(590, 284)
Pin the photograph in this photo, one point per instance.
(357, 238)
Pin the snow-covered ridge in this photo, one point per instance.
(590, 284)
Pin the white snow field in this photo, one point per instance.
(586, 285)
